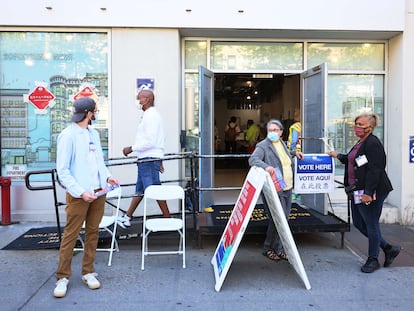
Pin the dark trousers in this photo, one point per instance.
(272, 241)
(231, 146)
(366, 220)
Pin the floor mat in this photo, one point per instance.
(45, 238)
(300, 220)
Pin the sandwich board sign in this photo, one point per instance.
(257, 180)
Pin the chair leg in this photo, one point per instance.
(144, 247)
(183, 246)
(114, 247)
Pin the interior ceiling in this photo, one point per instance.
(239, 86)
(289, 34)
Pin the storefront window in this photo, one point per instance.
(191, 115)
(361, 88)
(60, 65)
(348, 96)
(268, 56)
(195, 54)
(347, 56)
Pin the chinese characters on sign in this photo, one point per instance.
(41, 98)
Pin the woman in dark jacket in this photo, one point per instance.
(367, 185)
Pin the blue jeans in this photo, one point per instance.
(272, 241)
(148, 174)
(366, 220)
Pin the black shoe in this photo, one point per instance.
(390, 253)
(371, 265)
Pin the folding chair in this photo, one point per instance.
(106, 222)
(163, 192)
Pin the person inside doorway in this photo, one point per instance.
(231, 131)
(295, 130)
(252, 135)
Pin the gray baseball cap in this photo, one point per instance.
(81, 108)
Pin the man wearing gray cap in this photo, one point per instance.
(81, 169)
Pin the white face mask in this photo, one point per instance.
(138, 104)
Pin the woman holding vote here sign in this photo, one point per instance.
(367, 185)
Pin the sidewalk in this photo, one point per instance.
(253, 282)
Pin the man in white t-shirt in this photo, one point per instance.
(149, 146)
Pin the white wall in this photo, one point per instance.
(260, 14)
(406, 120)
(144, 53)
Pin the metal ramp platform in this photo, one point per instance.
(301, 220)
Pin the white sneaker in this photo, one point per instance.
(61, 288)
(124, 221)
(91, 281)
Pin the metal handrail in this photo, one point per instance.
(53, 174)
(55, 180)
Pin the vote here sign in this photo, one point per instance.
(315, 174)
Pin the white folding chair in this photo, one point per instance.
(163, 192)
(106, 222)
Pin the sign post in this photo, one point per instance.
(257, 180)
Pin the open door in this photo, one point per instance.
(313, 108)
(206, 141)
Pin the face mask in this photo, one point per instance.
(138, 104)
(359, 131)
(94, 119)
(273, 136)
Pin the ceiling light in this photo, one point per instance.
(262, 76)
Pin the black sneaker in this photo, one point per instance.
(390, 253)
(371, 265)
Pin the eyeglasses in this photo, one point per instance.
(274, 130)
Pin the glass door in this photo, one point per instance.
(313, 108)
(206, 141)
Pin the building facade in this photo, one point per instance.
(257, 52)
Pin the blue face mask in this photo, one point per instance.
(273, 136)
(94, 121)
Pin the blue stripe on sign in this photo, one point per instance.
(315, 164)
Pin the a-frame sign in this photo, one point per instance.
(257, 180)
